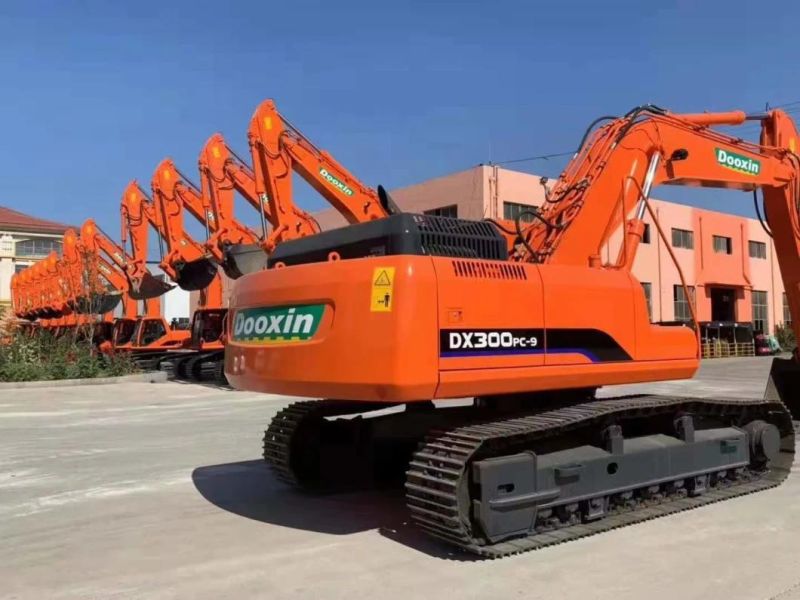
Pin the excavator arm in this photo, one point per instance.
(173, 192)
(187, 261)
(609, 182)
(108, 259)
(223, 173)
(137, 214)
(278, 149)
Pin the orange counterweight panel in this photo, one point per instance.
(412, 328)
(335, 346)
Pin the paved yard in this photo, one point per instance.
(157, 491)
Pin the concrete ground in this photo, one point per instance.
(157, 491)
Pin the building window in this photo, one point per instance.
(681, 303)
(37, 247)
(512, 210)
(21, 267)
(646, 234)
(787, 314)
(648, 295)
(760, 319)
(723, 245)
(444, 211)
(757, 249)
(682, 238)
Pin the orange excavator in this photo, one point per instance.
(192, 264)
(527, 319)
(63, 294)
(142, 334)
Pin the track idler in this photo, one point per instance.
(784, 384)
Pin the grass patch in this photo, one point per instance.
(41, 356)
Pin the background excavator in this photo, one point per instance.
(278, 150)
(399, 310)
(141, 334)
(64, 295)
(192, 263)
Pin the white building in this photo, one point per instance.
(23, 241)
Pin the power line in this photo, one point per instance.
(746, 129)
(530, 158)
(785, 104)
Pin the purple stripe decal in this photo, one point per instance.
(512, 351)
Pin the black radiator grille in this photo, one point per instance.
(458, 238)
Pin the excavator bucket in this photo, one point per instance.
(196, 275)
(98, 303)
(242, 259)
(150, 287)
(784, 384)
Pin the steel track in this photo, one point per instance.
(438, 472)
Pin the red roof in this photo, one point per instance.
(12, 220)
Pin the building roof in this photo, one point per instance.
(13, 220)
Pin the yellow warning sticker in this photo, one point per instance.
(382, 289)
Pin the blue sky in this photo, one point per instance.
(97, 93)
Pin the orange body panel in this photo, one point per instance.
(397, 355)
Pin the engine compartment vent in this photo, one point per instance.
(459, 238)
(489, 270)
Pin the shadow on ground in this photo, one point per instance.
(250, 490)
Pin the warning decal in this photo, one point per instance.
(382, 298)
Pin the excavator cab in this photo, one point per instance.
(123, 332)
(149, 331)
(154, 333)
(208, 325)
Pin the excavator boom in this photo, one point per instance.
(137, 213)
(278, 149)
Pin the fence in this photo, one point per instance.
(723, 349)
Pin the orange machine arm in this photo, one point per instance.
(209, 205)
(189, 260)
(96, 243)
(95, 246)
(611, 176)
(222, 173)
(277, 150)
(137, 214)
(94, 239)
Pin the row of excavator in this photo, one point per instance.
(395, 314)
(82, 289)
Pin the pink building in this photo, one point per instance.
(728, 261)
